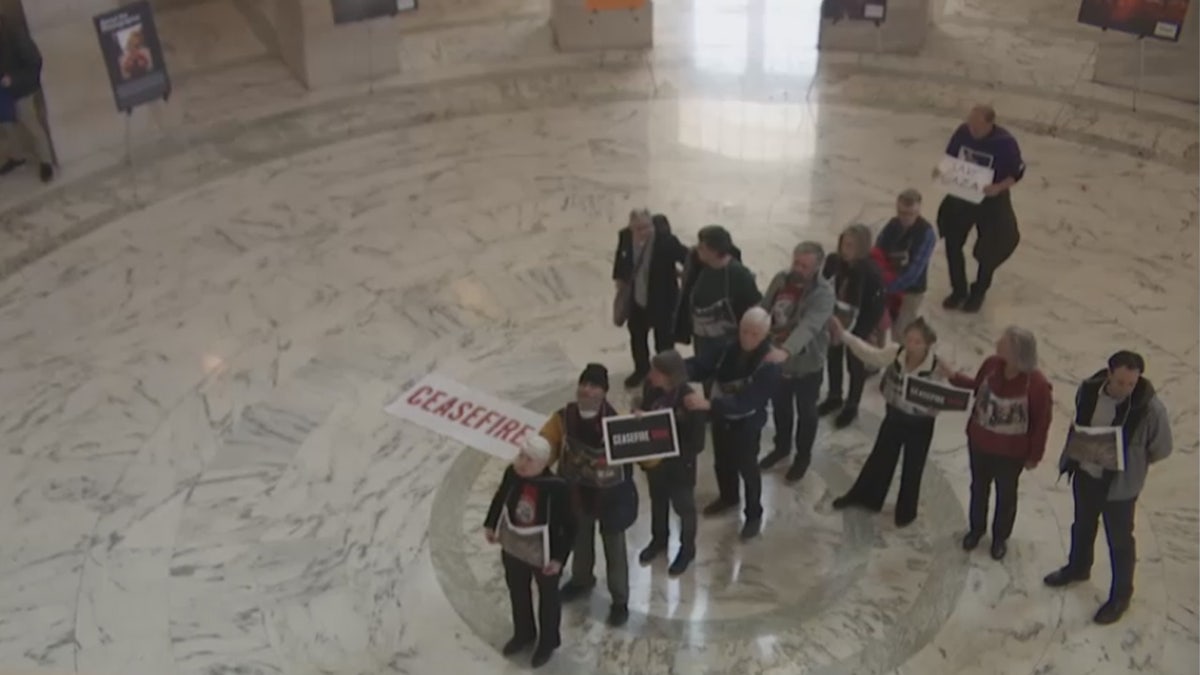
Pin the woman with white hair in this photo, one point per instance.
(1006, 433)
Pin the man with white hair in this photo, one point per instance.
(744, 376)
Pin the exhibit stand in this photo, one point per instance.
(902, 29)
(1146, 64)
(585, 25)
(324, 46)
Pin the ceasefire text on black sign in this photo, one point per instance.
(636, 438)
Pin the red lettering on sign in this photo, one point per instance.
(507, 428)
(470, 418)
(414, 399)
(456, 414)
(445, 407)
(429, 404)
(491, 415)
(659, 434)
(518, 438)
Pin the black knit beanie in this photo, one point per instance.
(595, 374)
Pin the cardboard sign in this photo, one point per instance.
(1103, 446)
(964, 179)
(350, 11)
(1161, 19)
(473, 418)
(636, 438)
(528, 544)
(934, 395)
(133, 55)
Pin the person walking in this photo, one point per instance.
(907, 427)
(1121, 399)
(858, 287)
(907, 243)
(981, 141)
(646, 272)
(21, 78)
(717, 291)
(800, 303)
(673, 480)
(1006, 433)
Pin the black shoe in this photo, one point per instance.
(718, 507)
(681, 562)
(971, 540)
(751, 529)
(830, 406)
(517, 645)
(954, 300)
(1111, 612)
(843, 502)
(46, 172)
(905, 520)
(772, 459)
(796, 472)
(541, 656)
(8, 166)
(973, 303)
(651, 552)
(1065, 576)
(634, 380)
(618, 615)
(845, 418)
(999, 549)
(574, 590)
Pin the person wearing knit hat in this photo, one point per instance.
(717, 290)
(601, 495)
(531, 496)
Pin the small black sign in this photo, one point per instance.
(350, 11)
(937, 395)
(636, 438)
(855, 10)
(133, 55)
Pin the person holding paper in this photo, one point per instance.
(600, 494)
(1006, 432)
(673, 480)
(717, 290)
(800, 302)
(1121, 398)
(906, 426)
(907, 242)
(858, 288)
(982, 142)
(531, 497)
(745, 376)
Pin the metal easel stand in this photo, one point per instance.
(129, 154)
(878, 38)
(1137, 88)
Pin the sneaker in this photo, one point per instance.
(1065, 576)
(651, 552)
(842, 502)
(516, 645)
(9, 165)
(999, 549)
(795, 472)
(751, 529)
(573, 590)
(634, 380)
(971, 540)
(772, 459)
(1111, 612)
(681, 562)
(718, 507)
(541, 656)
(830, 406)
(618, 615)
(954, 300)
(46, 172)
(845, 418)
(973, 303)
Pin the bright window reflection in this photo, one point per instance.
(752, 132)
(790, 36)
(719, 37)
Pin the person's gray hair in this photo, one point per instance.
(1024, 348)
(811, 248)
(671, 364)
(758, 317)
(910, 197)
(641, 216)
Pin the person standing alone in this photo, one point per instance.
(21, 77)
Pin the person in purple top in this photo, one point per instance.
(981, 141)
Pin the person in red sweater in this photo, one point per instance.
(1006, 433)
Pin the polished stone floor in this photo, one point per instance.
(195, 352)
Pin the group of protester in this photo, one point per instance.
(857, 308)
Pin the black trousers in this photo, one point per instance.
(1005, 473)
(520, 577)
(858, 375)
(1091, 502)
(735, 456)
(795, 408)
(996, 238)
(899, 431)
(673, 485)
(640, 322)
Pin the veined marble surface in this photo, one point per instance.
(195, 352)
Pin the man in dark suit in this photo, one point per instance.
(646, 273)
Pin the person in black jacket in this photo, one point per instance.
(673, 480)
(21, 75)
(717, 291)
(858, 285)
(646, 268)
(530, 496)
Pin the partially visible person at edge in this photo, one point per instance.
(647, 264)
(1006, 433)
(744, 375)
(21, 77)
(858, 287)
(907, 241)
(981, 141)
(530, 496)
(673, 480)
(1118, 396)
(906, 427)
(717, 291)
(801, 302)
(600, 494)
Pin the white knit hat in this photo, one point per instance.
(536, 447)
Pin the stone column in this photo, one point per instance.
(1171, 69)
(576, 28)
(322, 54)
(903, 32)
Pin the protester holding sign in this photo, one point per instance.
(600, 494)
(531, 497)
(1007, 431)
(673, 480)
(21, 79)
(1119, 398)
(907, 427)
(982, 142)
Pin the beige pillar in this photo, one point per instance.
(1170, 69)
(902, 32)
(576, 28)
(322, 54)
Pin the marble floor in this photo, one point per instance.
(195, 351)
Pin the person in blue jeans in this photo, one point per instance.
(801, 303)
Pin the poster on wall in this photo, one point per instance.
(350, 11)
(133, 55)
(855, 10)
(1160, 19)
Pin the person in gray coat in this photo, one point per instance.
(1121, 399)
(801, 302)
